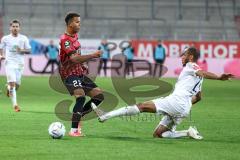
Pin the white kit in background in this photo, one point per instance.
(14, 62)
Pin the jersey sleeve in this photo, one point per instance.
(27, 44)
(192, 68)
(67, 47)
(3, 43)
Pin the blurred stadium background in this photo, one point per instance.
(213, 26)
(161, 19)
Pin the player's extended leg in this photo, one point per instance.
(17, 86)
(13, 95)
(77, 112)
(74, 84)
(93, 91)
(164, 132)
(127, 111)
(167, 129)
(13, 78)
(96, 97)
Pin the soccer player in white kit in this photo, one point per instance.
(12, 49)
(177, 105)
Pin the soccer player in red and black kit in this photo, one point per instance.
(73, 72)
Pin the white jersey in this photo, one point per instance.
(188, 85)
(178, 104)
(9, 44)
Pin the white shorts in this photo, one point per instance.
(170, 122)
(173, 106)
(173, 110)
(14, 74)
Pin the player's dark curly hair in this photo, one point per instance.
(195, 52)
(70, 16)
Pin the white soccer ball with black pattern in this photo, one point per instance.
(56, 130)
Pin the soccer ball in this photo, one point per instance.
(56, 130)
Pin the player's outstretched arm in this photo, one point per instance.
(77, 58)
(209, 75)
(196, 98)
(23, 51)
(1, 54)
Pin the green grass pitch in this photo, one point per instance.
(24, 135)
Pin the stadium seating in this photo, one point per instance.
(164, 19)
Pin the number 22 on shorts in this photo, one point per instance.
(77, 83)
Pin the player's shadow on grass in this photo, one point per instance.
(38, 112)
(163, 140)
(142, 140)
(149, 139)
(117, 138)
(135, 139)
(123, 138)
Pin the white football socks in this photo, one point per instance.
(124, 111)
(14, 95)
(175, 134)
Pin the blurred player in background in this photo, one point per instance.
(177, 105)
(128, 51)
(159, 56)
(106, 47)
(73, 72)
(105, 56)
(13, 47)
(51, 53)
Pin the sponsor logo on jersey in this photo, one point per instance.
(67, 44)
